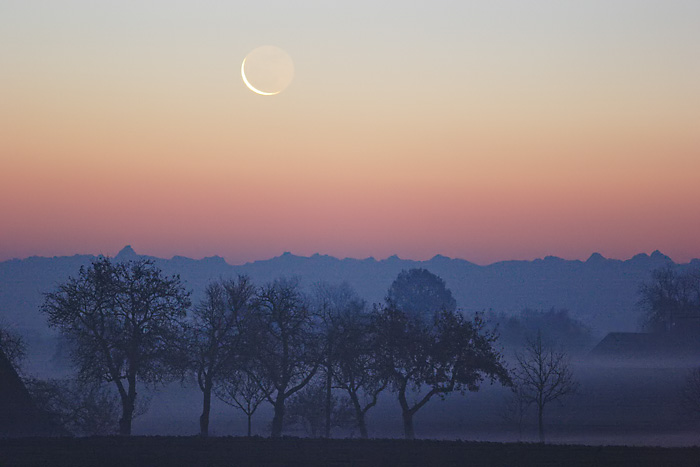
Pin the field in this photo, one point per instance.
(214, 452)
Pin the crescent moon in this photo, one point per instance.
(250, 86)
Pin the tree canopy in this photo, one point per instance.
(671, 300)
(13, 346)
(419, 291)
(555, 325)
(214, 343)
(284, 352)
(449, 354)
(122, 321)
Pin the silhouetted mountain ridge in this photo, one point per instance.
(601, 292)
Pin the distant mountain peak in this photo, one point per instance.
(657, 255)
(440, 258)
(214, 259)
(639, 257)
(288, 255)
(551, 258)
(126, 253)
(319, 255)
(595, 258)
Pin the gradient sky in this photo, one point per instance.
(485, 130)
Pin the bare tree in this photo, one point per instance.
(543, 375)
(448, 354)
(426, 347)
(240, 390)
(83, 409)
(356, 369)
(331, 303)
(122, 320)
(304, 410)
(214, 341)
(284, 353)
(671, 300)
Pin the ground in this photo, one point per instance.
(213, 452)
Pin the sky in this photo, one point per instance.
(480, 130)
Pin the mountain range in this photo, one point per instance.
(601, 292)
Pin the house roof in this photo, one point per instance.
(647, 345)
(19, 415)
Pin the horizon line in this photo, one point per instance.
(128, 250)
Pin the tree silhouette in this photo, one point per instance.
(304, 410)
(543, 375)
(555, 324)
(284, 354)
(240, 390)
(418, 291)
(83, 409)
(122, 321)
(213, 336)
(671, 300)
(331, 304)
(434, 358)
(13, 347)
(356, 369)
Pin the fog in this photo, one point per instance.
(619, 403)
(625, 395)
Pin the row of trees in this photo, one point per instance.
(129, 325)
(515, 330)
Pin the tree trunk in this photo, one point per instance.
(206, 409)
(408, 425)
(128, 405)
(406, 413)
(127, 416)
(540, 411)
(359, 415)
(278, 418)
(250, 424)
(362, 425)
(329, 385)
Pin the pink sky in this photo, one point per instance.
(486, 133)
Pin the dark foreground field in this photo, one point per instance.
(194, 451)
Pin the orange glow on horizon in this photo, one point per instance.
(496, 133)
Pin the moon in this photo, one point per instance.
(267, 70)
